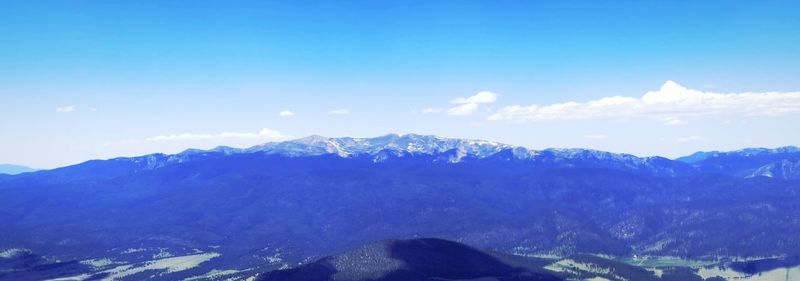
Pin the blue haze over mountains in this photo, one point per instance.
(11, 169)
(279, 204)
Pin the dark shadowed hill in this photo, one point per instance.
(409, 260)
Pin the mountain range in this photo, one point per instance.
(779, 162)
(238, 212)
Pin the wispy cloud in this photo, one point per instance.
(596, 136)
(431, 110)
(66, 109)
(466, 105)
(691, 139)
(286, 113)
(674, 121)
(464, 109)
(669, 104)
(340, 111)
(481, 97)
(264, 134)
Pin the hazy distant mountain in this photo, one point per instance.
(14, 169)
(747, 152)
(279, 204)
(783, 162)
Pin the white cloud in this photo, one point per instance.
(430, 110)
(481, 97)
(286, 113)
(264, 134)
(596, 136)
(66, 109)
(470, 104)
(464, 109)
(674, 121)
(92, 109)
(691, 139)
(670, 103)
(339, 111)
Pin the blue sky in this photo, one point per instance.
(96, 79)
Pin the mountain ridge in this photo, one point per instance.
(431, 144)
(455, 150)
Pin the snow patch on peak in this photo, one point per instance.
(408, 143)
